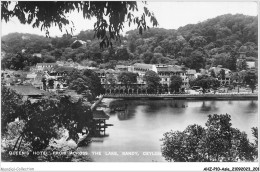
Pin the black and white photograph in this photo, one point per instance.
(129, 85)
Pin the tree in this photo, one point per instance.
(205, 82)
(49, 59)
(51, 83)
(195, 61)
(241, 65)
(40, 15)
(255, 134)
(95, 84)
(175, 83)
(213, 74)
(111, 80)
(122, 54)
(127, 78)
(218, 141)
(222, 74)
(10, 107)
(79, 85)
(152, 81)
(132, 47)
(147, 57)
(158, 49)
(40, 121)
(85, 80)
(251, 80)
(197, 41)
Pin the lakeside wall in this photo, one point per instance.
(222, 96)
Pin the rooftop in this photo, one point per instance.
(174, 68)
(44, 64)
(144, 66)
(121, 66)
(80, 41)
(28, 90)
(100, 114)
(190, 72)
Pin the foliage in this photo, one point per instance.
(35, 13)
(213, 74)
(205, 82)
(251, 80)
(215, 143)
(175, 83)
(79, 85)
(222, 74)
(111, 79)
(184, 46)
(121, 54)
(127, 78)
(30, 43)
(241, 65)
(10, 107)
(85, 80)
(152, 81)
(41, 120)
(227, 60)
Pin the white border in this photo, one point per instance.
(136, 166)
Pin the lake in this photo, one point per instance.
(136, 134)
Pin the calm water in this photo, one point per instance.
(140, 129)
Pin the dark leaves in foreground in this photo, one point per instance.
(218, 142)
(110, 15)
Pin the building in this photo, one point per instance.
(31, 76)
(223, 81)
(250, 64)
(190, 73)
(226, 80)
(79, 42)
(165, 72)
(141, 68)
(102, 74)
(29, 92)
(121, 68)
(37, 84)
(45, 66)
(37, 55)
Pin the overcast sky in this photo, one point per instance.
(170, 15)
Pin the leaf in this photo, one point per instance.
(140, 30)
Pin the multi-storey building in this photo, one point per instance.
(226, 80)
(191, 74)
(165, 72)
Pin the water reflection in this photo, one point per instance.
(126, 114)
(150, 107)
(141, 125)
(209, 106)
(251, 107)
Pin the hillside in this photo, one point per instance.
(213, 42)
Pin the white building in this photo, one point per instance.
(45, 66)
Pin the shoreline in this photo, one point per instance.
(253, 96)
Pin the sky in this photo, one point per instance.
(170, 15)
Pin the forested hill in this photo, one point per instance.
(224, 29)
(213, 42)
